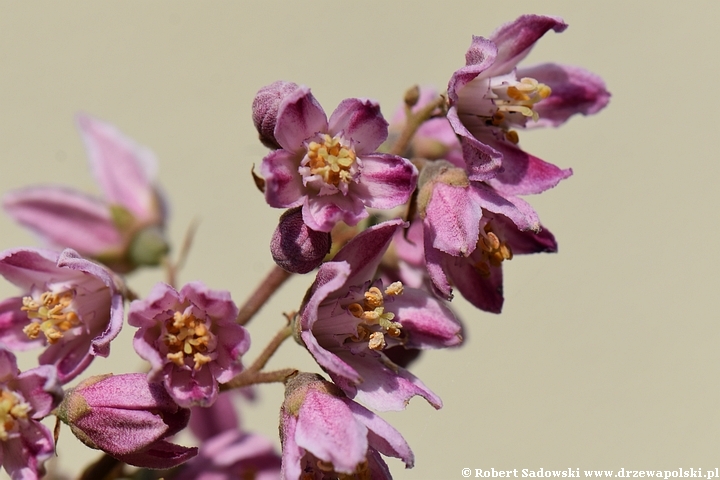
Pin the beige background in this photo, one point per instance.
(606, 355)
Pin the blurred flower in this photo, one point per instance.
(128, 418)
(190, 339)
(326, 435)
(330, 168)
(227, 452)
(347, 320)
(122, 230)
(26, 398)
(70, 304)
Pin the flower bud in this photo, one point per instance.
(148, 247)
(128, 418)
(265, 110)
(296, 247)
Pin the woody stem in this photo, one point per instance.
(413, 122)
(275, 278)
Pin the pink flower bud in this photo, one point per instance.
(127, 418)
(296, 247)
(265, 110)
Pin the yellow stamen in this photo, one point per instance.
(188, 338)
(520, 97)
(52, 314)
(12, 409)
(493, 251)
(331, 160)
(375, 321)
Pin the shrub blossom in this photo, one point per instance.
(125, 228)
(128, 418)
(330, 167)
(325, 434)
(190, 339)
(348, 319)
(71, 305)
(26, 398)
(377, 302)
(489, 98)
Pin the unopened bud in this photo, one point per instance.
(296, 247)
(412, 96)
(265, 110)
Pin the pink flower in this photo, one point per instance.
(490, 98)
(227, 452)
(478, 275)
(26, 398)
(71, 305)
(347, 320)
(125, 228)
(326, 435)
(190, 339)
(127, 418)
(330, 168)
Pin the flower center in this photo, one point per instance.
(492, 250)
(330, 163)
(50, 313)
(375, 322)
(189, 337)
(12, 408)
(518, 97)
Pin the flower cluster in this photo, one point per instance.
(390, 217)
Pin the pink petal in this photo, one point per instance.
(12, 322)
(523, 174)
(428, 322)
(65, 218)
(482, 161)
(322, 213)
(384, 387)
(386, 181)
(207, 422)
(291, 453)
(479, 57)
(574, 90)
(514, 40)
(435, 265)
(283, 183)
(518, 210)
(160, 455)
(381, 435)
(486, 293)
(124, 169)
(300, 117)
(364, 252)
(327, 428)
(452, 219)
(360, 120)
